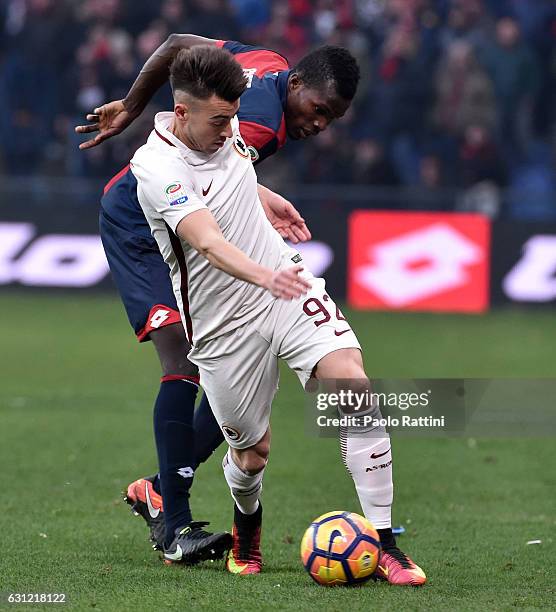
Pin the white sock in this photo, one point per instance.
(245, 489)
(369, 461)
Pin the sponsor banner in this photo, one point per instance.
(524, 263)
(419, 261)
(56, 245)
(52, 244)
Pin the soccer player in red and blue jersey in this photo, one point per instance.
(279, 103)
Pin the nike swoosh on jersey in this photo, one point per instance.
(154, 512)
(340, 333)
(174, 556)
(374, 456)
(205, 191)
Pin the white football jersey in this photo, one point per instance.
(174, 181)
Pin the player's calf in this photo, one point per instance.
(173, 425)
(244, 470)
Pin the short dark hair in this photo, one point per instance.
(205, 70)
(330, 64)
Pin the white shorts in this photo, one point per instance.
(239, 370)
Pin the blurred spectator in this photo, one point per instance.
(251, 14)
(432, 189)
(464, 92)
(454, 93)
(480, 172)
(285, 34)
(514, 71)
(468, 22)
(479, 159)
(174, 15)
(371, 166)
(214, 19)
(329, 160)
(149, 40)
(399, 93)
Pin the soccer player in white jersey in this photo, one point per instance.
(198, 190)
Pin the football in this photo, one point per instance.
(340, 548)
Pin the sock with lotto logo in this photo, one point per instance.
(368, 458)
(208, 436)
(175, 444)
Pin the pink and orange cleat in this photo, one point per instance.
(245, 555)
(397, 568)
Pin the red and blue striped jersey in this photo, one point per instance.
(261, 123)
(261, 112)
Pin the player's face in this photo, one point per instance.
(310, 111)
(207, 123)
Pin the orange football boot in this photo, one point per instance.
(146, 502)
(245, 555)
(397, 568)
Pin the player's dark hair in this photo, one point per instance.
(330, 64)
(206, 70)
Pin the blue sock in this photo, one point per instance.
(175, 444)
(208, 435)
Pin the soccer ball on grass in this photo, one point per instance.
(340, 548)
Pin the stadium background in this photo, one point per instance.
(436, 193)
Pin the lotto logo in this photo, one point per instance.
(52, 260)
(418, 261)
(159, 317)
(186, 472)
(533, 279)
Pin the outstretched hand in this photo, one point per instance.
(108, 120)
(284, 217)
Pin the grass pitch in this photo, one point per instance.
(76, 398)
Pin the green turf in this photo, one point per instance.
(75, 419)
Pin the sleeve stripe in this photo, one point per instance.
(255, 134)
(282, 134)
(115, 179)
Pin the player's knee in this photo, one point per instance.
(172, 348)
(345, 363)
(253, 460)
(352, 366)
(179, 367)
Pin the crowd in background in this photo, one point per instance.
(454, 93)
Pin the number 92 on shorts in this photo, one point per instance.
(239, 370)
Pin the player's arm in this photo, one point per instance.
(156, 70)
(283, 216)
(201, 231)
(112, 118)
